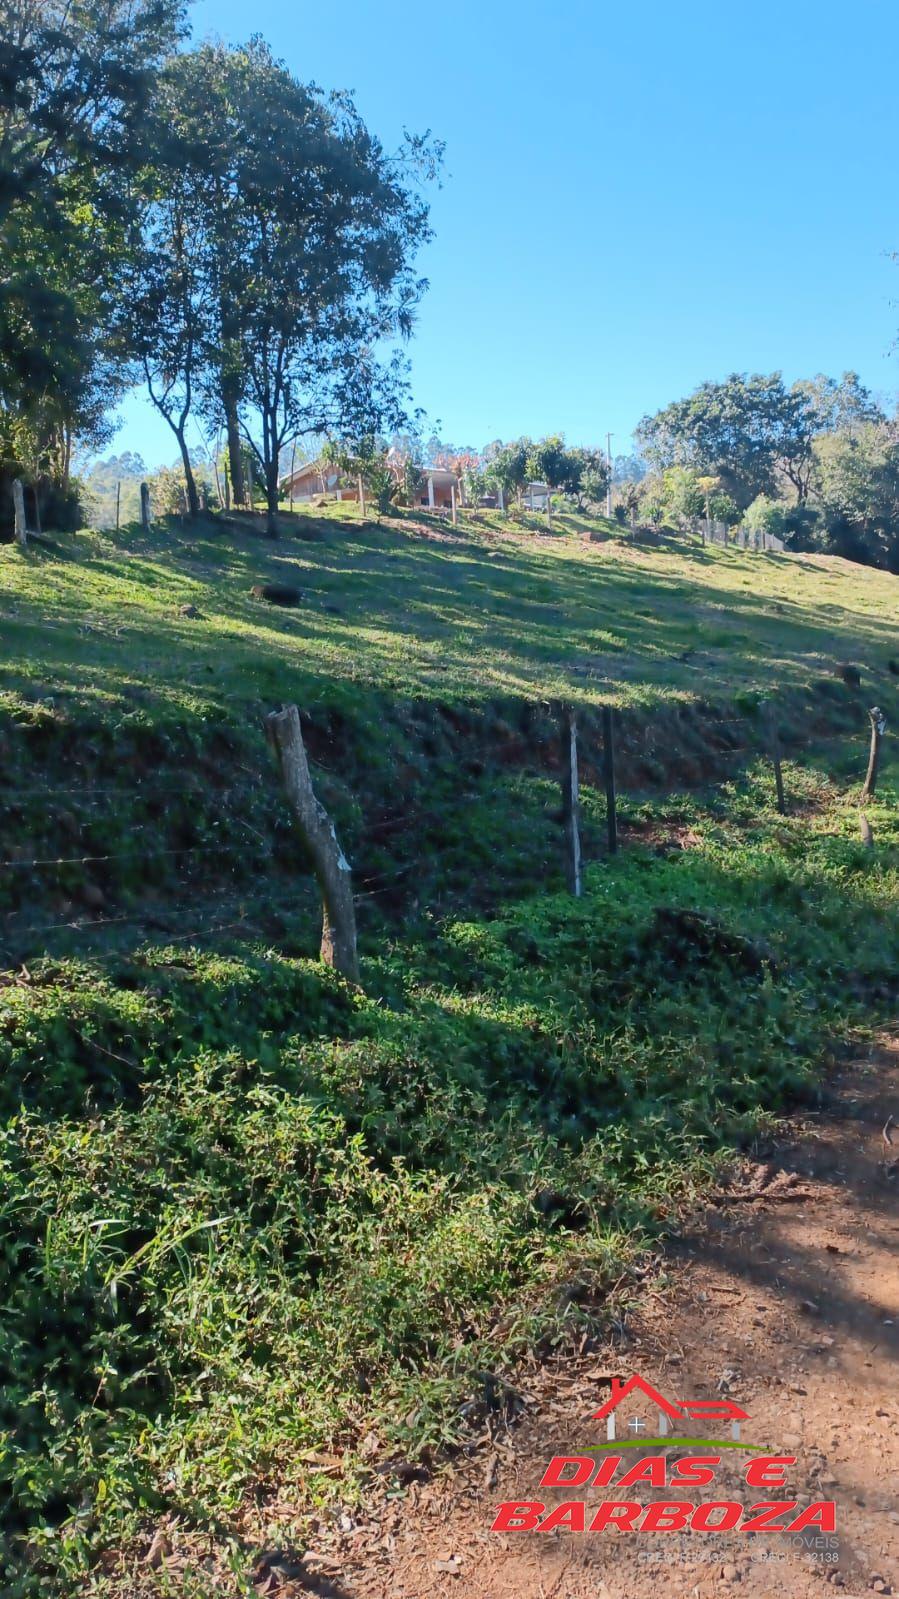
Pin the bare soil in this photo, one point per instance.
(785, 1296)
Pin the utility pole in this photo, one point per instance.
(609, 488)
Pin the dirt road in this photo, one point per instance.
(787, 1300)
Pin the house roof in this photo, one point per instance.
(301, 471)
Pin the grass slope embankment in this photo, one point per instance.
(262, 1236)
(421, 612)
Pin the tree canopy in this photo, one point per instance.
(753, 432)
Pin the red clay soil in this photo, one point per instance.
(784, 1297)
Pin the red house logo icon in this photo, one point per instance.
(677, 1416)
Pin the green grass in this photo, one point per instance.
(262, 1235)
(250, 1216)
(425, 614)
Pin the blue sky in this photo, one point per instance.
(635, 199)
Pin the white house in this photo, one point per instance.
(536, 496)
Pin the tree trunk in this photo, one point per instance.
(193, 498)
(18, 500)
(272, 495)
(235, 448)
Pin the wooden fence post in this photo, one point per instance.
(571, 804)
(864, 827)
(145, 507)
(118, 502)
(878, 728)
(453, 502)
(332, 869)
(18, 500)
(774, 743)
(608, 769)
(362, 495)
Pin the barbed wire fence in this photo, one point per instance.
(248, 911)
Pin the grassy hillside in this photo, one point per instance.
(418, 610)
(265, 1239)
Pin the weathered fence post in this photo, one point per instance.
(864, 827)
(332, 869)
(453, 502)
(145, 507)
(571, 803)
(18, 500)
(118, 502)
(878, 728)
(774, 744)
(362, 495)
(608, 770)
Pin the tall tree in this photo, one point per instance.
(74, 86)
(857, 489)
(304, 234)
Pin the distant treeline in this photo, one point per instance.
(815, 463)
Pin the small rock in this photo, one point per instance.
(730, 1574)
(451, 1567)
(189, 610)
